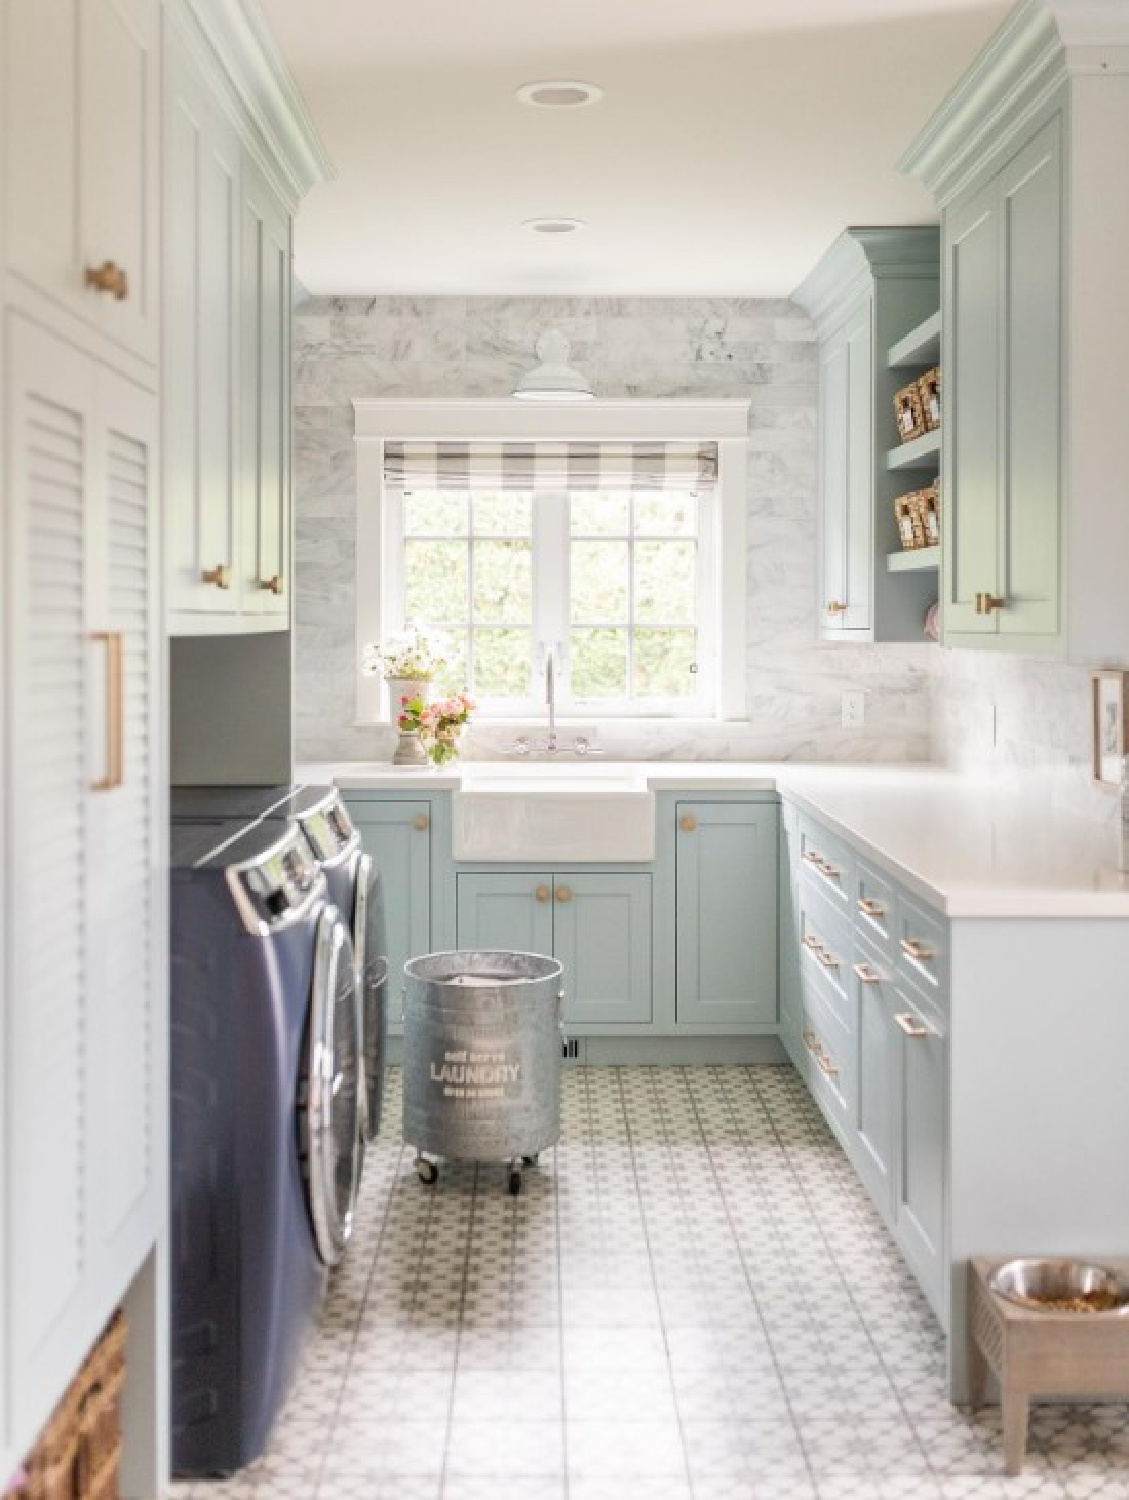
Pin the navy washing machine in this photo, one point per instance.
(266, 1098)
(354, 888)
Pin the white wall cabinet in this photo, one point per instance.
(226, 366)
(81, 85)
(869, 291)
(84, 810)
(1035, 225)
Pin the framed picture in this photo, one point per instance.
(1108, 727)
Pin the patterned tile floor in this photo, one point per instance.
(692, 1299)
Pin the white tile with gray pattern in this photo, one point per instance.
(692, 1299)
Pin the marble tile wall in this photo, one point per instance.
(1038, 739)
(476, 346)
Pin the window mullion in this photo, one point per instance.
(550, 582)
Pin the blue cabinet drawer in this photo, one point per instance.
(826, 950)
(922, 948)
(874, 906)
(826, 862)
(828, 1051)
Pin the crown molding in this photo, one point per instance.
(613, 420)
(243, 47)
(857, 259)
(1040, 46)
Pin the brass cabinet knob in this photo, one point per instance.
(272, 585)
(419, 822)
(688, 824)
(564, 894)
(542, 893)
(108, 277)
(836, 607)
(219, 576)
(987, 604)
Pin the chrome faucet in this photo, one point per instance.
(551, 700)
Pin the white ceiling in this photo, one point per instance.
(735, 140)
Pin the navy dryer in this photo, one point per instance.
(354, 888)
(264, 1126)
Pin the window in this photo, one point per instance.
(624, 557)
(609, 580)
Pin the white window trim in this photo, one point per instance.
(725, 422)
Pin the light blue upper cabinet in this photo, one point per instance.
(871, 289)
(398, 836)
(1029, 162)
(726, 913)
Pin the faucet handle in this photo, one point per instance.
(584, 746)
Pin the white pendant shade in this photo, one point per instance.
(553, 378)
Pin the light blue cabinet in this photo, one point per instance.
(398, 836)
(506, 911)
(876, 1002)
(919, 1200)
(597, 924)
(726, 913)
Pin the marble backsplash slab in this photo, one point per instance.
(759, 349)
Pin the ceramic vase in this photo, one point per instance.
(409, 747)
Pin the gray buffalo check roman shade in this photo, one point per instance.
(550, 466)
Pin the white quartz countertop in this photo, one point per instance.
(969, 848)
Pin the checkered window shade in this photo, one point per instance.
(551, 466)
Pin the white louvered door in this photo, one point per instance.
(78, 1096)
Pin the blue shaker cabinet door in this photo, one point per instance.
(919, 1208)
(726, 913)
(602, 936)
(504, 911)
(398, 836)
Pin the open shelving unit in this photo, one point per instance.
(914, 560)
(923, 452)
(920, 349)
(920, 459)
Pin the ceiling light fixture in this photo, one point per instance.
(554, 226)
(553, 378)
(559, 93)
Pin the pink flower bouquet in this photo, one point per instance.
(440, 724)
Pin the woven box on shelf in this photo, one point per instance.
(929, 504)
(79, 1450)
(909, 415)
(930, 388)
(911, 529)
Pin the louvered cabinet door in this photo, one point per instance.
(122, 1135)
(49, 863)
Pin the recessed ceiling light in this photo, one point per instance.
(559, 93)
(553, 226)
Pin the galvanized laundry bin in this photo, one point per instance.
(482, 1058)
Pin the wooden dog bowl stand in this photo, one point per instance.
(1035, 1353)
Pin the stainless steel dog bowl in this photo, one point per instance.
(1063, 1286)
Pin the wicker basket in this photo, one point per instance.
(911, 529)
(930, 388)
(909, 415)
(79, 1450)
(929, 504)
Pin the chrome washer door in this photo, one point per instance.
(333, 1090)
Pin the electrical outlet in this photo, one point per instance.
(570, 1049)
(854, 708)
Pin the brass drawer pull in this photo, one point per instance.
(542, 893)
(815, 1047)
(688, 824)
(828, 871)
(836, 607)
(920, 952)
(115, 711)
(870, 907)
(827, 960)
(564, 894)
(420, 822)
(272, 585)
(108, 277)
(912, 1027)
(812, 942)
(987, 604)
(219, 576)
(867, 974)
